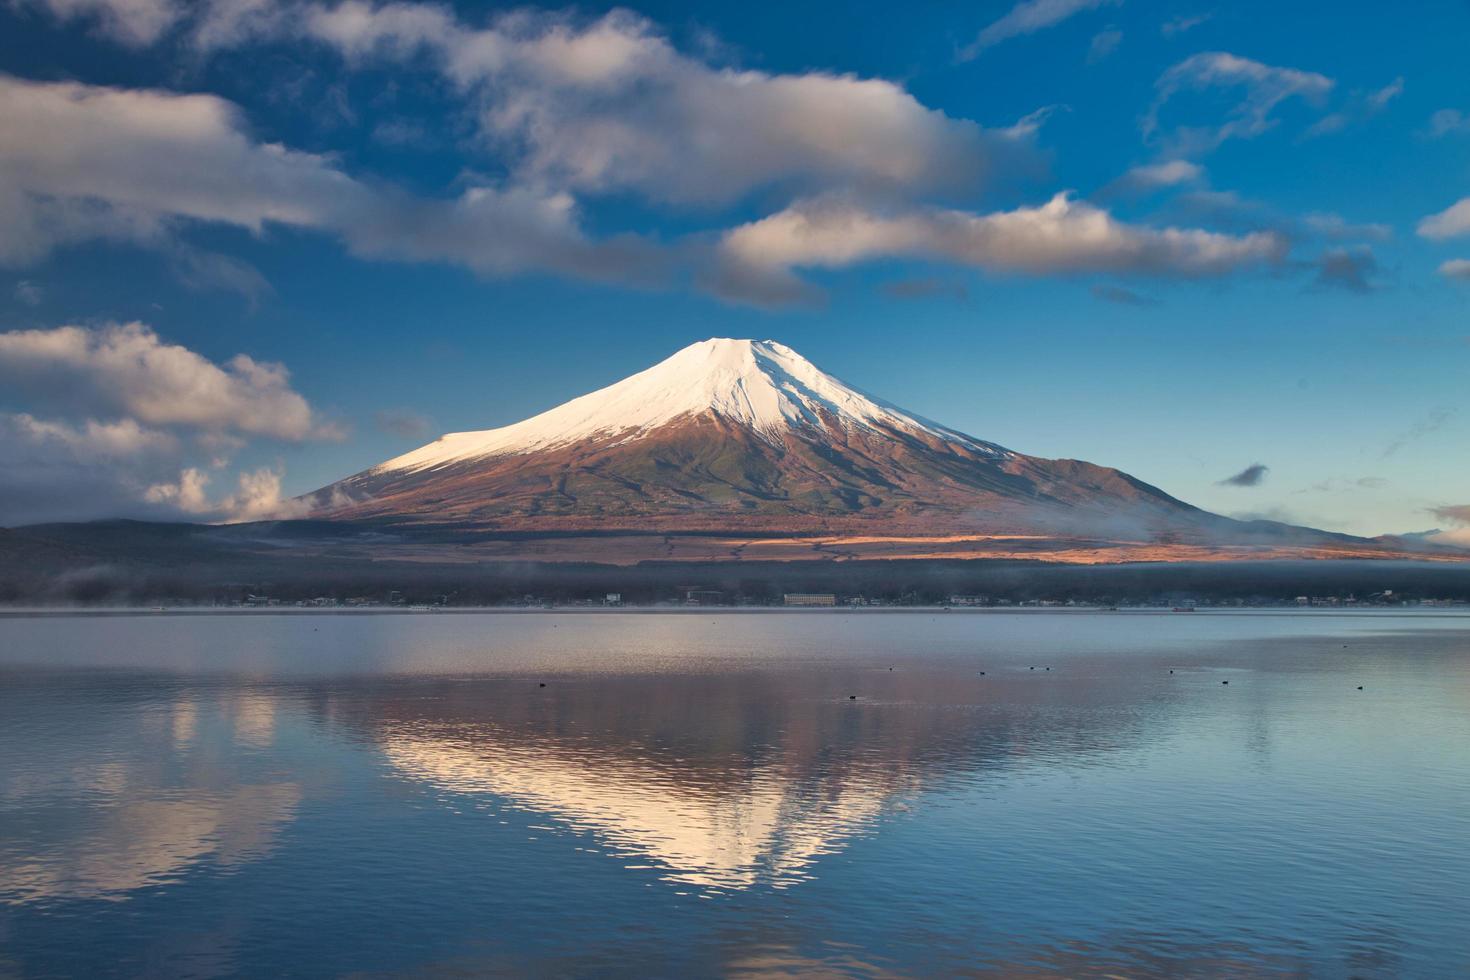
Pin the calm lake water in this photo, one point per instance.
(697, 794)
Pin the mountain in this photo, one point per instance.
(743, 437)
(736, 434)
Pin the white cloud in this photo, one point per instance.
(57, 469)
(1150, 177)
(573, 108)
(124, 437)
(1458, 269)
(129, 371)
(1459, 534)
(1452, 222)
(1458, 537)
(1060, 237)
(82, 162)
(257, 497)
(136, 426)
(1028, 17)
(1263, 87)
(610, 105)
(189, 494)
(227, 23)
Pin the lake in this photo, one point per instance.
(699, 793)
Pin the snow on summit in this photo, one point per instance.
(761, 384)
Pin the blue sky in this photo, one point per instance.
(1180, 240)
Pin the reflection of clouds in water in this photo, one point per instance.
(184, 721)
(768, 827)
(781, 961)
(255, 720)
(147, 842)
(135, 793)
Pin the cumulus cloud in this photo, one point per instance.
(1028, 17)
(1251, 476)
(610, 105)
(1261, 89)
(1150, 177)
(1458, 269)
(1458, 515)
(256, 497)
(757, 260)
(128, 416)
(121, 438)
(128, 370)
(81, 162)
(60, 470)
(227, 23)
(1452, 222)
(570, 108)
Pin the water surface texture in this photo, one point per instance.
(748, 794)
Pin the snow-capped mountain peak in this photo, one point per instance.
(761, 384)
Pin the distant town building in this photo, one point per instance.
(703, 597)
(809, 599)
(969, 600)
(613, 599)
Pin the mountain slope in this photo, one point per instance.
(761, 386)
(741, 437)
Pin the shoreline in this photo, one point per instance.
(42, 612)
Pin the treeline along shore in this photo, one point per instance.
(124, 563)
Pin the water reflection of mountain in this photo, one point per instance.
(724, 781)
